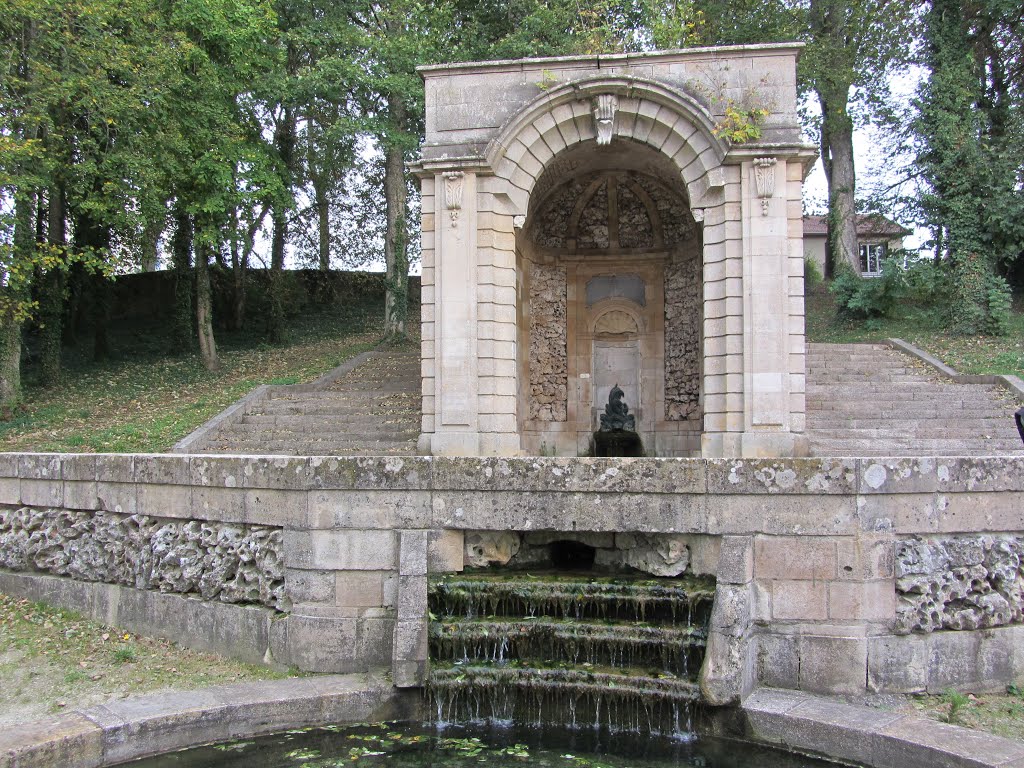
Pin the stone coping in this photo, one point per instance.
(137, 727)
(129, 729)
(731, 476)
(611, 59)
(871, 737)
(1011, 383)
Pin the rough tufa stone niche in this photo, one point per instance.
(542, 176)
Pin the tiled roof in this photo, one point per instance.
(868, 225)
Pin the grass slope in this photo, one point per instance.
(146, 401)
(923, 329)
(52, 660)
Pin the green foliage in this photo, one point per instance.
(741, 124)
(812, 274)
(868, 297)
(998, 306)
(899, 292)
(955, 703)
(970, 131)
(125, 653)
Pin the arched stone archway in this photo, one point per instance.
(611, 135)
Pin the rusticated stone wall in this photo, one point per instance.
(218, 561)
(548, 356)
(804, 552)
(959, 582)
(682, 337)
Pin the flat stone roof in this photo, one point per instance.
(610, 59)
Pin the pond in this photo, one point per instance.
(421, 746)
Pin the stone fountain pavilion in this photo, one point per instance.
(586, 223)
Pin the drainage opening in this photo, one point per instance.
(572, 555)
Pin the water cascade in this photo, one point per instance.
(612, 654)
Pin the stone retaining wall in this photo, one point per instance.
(807, 552)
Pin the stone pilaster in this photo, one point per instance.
(766, 311)
(455, 332)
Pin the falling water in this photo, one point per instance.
(616, 655)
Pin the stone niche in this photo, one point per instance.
(585, 226)
(609, 256)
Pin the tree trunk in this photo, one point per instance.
(396, 259)
(75, 280)
(150, 256)
(101, 300)
(10, 316)
(10, 363)
(204, 310)
(323, 224)
(181, 253)
(238, 267)
(284, 139)
(51, 294)
(837, 155)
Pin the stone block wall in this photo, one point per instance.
(821, 564)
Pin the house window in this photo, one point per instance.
(871, 257)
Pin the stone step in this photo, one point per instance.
(819, 420)
(353, 423)
(864, 447)
(922, 431)
(313, 430)
(314, 448)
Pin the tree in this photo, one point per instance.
(854, 47)
(214, 157)
(971, 135)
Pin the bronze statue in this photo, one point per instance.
(616, 416)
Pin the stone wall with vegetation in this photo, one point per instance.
(548, 351)
(812, 557)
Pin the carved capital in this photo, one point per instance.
(453, 182)
(764, 180)
(605, 107)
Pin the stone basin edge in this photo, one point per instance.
(130, 729)
(868, 736)
(143, 726)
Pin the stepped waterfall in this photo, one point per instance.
(611, 654)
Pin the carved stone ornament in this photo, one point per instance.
(518, 221)
(605, 107)
(453, 181)
(698, 214)
(764, 179)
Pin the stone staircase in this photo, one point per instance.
(869, 400)
(862, 400)
(373, 409)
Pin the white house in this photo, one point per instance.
(877, 237)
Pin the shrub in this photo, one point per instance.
(999, 304)
(870, 297)
(812, 274)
